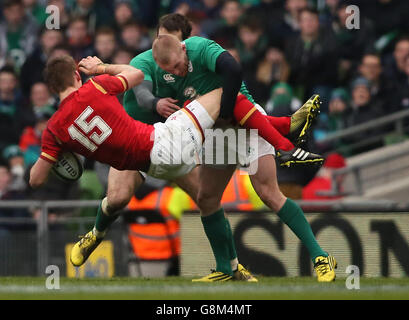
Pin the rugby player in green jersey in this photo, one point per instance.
(153, 101)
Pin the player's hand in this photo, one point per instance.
(166, 106)
(89, 65)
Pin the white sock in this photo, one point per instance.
(98, 234)
(234, 264)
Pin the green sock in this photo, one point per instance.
(219, 234)
(232, 247)
(293, 216)
(103, 221)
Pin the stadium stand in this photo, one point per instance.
(299, 46)
(265, 36)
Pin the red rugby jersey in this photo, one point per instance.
(92, 122)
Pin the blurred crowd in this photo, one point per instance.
(289, 49)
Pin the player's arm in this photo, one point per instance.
(220, 61)
(94, 66)
(132, 75)
(145, 99)
(50, 150)
(231, 73)
(39, 172)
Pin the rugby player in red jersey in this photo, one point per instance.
(90, 121)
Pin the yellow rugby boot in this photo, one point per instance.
(325, 268)
(242, 274)
(302, 119)
(83, 248)
(214, 276)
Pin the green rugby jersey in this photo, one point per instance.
(200, 79)
(148, 66)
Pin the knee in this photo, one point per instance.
(118, 199)
(208, 203)
(272, 197)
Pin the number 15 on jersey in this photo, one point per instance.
(88, 140)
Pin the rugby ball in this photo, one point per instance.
(69, 167)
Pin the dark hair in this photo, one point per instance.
(44, 30)
(175, 22)
(371, 53)
(345, 3)
(310, 10)
(61, 46)
(105, 30)
(59, 73)
(4, 163)
(8, 69)
(77, 18)
(11, 3)
(402, 38)
(224, 3)
(132, 23)
(251, 22)
(124, 49)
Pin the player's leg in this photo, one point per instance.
(121, 186)
(178, 141)
(189, 183)
(212, 183)
(295, 126)
(211, 103)
(265, 184)
(248, 116)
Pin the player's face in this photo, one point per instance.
(178, 64)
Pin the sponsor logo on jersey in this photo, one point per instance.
(168, 77)
(190, 93)
(190, 66)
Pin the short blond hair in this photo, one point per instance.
(164, 46)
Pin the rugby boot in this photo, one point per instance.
(83, 248)
(325, 268)
(298, 156)
(302, 119)
(242, 274)
(214, 276)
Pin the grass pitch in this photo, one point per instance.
(177, 288)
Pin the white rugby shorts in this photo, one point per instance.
(254, 148)
(178, 142)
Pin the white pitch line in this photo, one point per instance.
(177, 289)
